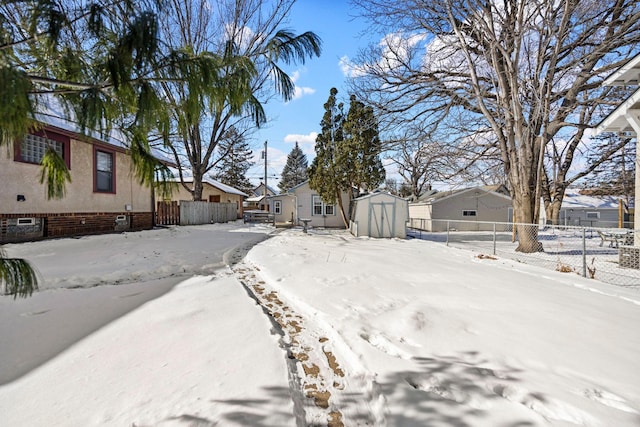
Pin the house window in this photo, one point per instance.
(593, 215)
(277, 207)
(104, 172)
(320, 208)
(33, 147)
(469, 213)
(317, 205)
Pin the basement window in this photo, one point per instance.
(26, 221)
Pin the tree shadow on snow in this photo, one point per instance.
(453, 391)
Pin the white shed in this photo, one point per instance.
(379, 215)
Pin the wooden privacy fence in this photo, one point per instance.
(168, 213)
(194, 213)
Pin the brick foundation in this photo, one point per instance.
(75, 224)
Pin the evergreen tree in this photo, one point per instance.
(360, 159)
(347, 153)
(235, 160)
(324, 172)
(295, 171)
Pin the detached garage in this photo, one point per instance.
(379, 215)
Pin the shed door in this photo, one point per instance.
(381, 219)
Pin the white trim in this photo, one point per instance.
(25, 221)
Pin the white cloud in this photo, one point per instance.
(348, 68)
(299, 91)
(306, 142)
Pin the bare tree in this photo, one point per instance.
(531, 69)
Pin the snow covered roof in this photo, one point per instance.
(257, 191)
(50, 111)
(220, 186)
(574, 200)
(435, 197)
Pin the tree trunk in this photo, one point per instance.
(527, 232)
(345, 219)
(197, 186)
(553, 212)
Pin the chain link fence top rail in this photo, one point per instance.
(605, 254)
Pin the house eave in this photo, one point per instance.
(627, 75)
(617, 120)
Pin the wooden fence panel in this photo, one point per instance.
(194, 213)
(168, 213)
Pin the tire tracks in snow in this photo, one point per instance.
(332, 395)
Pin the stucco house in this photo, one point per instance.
(474, 206)
(303, 203)
(212, 191)
(103, 195)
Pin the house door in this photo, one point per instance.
(381, 219)
(214, 199)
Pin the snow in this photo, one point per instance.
(362, 332)
(573, 199)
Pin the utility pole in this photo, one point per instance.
(265, 171)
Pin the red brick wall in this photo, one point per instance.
(61, 225)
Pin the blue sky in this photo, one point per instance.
(299, 119)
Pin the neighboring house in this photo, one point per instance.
(379, 214)
(103, 195)
(625, 119)
(301, 202)
(477, 204)
(257, 200)
(212, 191)
(592, 211)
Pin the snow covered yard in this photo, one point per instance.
(430, 335)
(360, 332)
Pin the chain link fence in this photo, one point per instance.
(605, 254)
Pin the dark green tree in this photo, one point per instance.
(347, 153)
(295, 171)
(360, 157)
(325, 175)
(235, 160)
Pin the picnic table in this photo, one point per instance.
(616, 237)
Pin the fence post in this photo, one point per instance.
(447, 233)
(494, 238)
(584, 252)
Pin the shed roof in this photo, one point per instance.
(498, 190)
(376, 194)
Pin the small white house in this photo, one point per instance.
(379, 215)
(302, 203)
